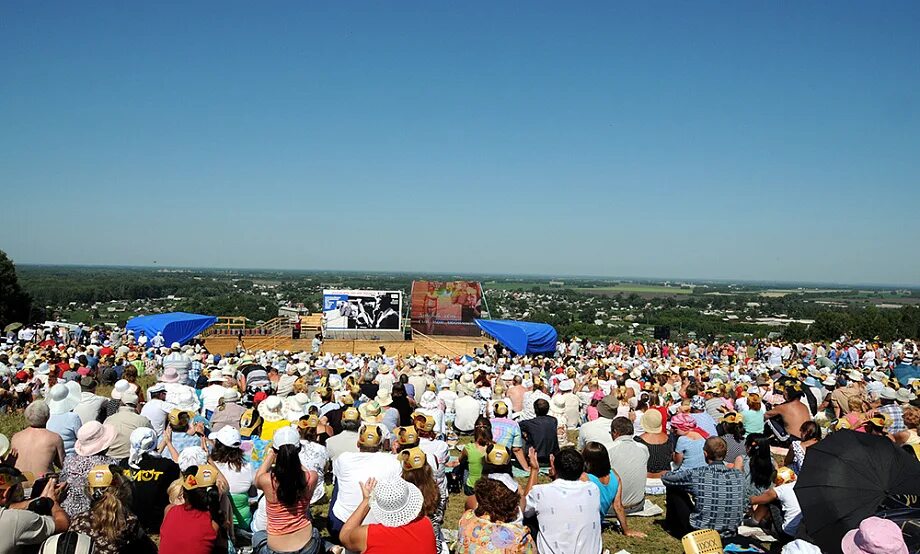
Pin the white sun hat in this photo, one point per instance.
(395, 502)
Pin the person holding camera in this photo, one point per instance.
(28, 523)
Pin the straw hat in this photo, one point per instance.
(94, 437)
(384, 397)
(370, 411)
(395, 502)
(272, 409)
(651, 421)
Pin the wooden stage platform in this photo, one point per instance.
(433, 346)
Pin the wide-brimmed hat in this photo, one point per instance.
(384, 398)
(874, 536)
(61, 400)
(216, 376)
(395, 502)
(94, 437)
(651, 421)
(120, 388)
(183, 398)
(370, 411)
(272, 409)
(170, 375)
(429, 400)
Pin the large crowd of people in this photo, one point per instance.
(194, 452)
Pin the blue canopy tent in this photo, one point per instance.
(176, 326)
(521, 337)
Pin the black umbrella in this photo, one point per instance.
(844, 480)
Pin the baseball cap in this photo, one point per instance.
(227, 436)
(285, 436)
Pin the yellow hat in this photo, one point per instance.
(407, 435)
(249, 421)
(174, 416)
(347, 399)
(99, 477)
(351, 414)
(413, 458)
(308, 422)
(10, 476)
(500, 409)
(369, 435)
(784, 475)
(732, 417)
(206, 476)
(427, 425)
(497, 455)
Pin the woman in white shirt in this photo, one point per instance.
(229, 458)
(313, 455)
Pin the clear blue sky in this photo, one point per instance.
(737, 140)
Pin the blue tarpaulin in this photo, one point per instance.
(906, 372)
(522, 337)
(176, 326)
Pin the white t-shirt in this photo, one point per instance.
(353, 468)
(568, 515)
(240, 481)
(792, 513)
(467, 409)
(155, 411)
(210, 395)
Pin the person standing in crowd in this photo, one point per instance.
(156, 410)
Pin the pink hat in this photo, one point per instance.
(874, 536)
(94, 437)
(170, 375)
(598, 395)
(683, 422)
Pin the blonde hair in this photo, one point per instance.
(109, 509)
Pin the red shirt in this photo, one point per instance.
(415, 538)
(187, 531)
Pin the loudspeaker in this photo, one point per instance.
(662, 332)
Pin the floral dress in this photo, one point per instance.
(478, 535)
(74, 473)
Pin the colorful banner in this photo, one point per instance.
(362, 309)
(446, 308)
